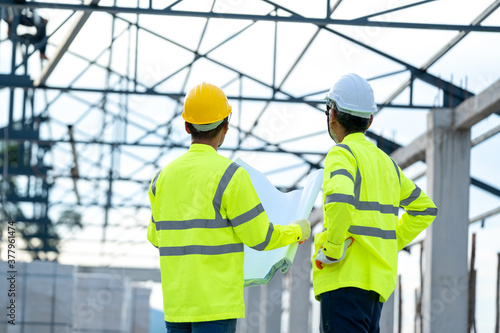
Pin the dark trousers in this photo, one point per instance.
(217, 326)
(350, 310)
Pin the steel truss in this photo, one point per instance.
(108, 169)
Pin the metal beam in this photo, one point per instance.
(468, 113)
(486, 187)
(454, 41)
(449, 88)
(232, 16)
(456, 93)
(487, 12)
(264, 149)
(80, 20)
(7, 80)
(179, 96)
(386, 145)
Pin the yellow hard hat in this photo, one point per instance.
(205, 104)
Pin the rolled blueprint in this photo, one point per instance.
(282, 209)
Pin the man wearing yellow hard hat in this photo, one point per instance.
(204, 210)
(355, 261)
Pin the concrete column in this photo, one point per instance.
(272, 304)
(253, 315)
(445, 275)
(300, 288)
(387, 317)
(263, 308)
(241, 325)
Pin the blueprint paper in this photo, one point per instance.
(282, 209)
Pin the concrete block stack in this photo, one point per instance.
(44, 297)
(103, 303)
(53, 298)
(140, 309)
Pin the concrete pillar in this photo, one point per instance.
(387, 317)
(241, 325)
(271, 303)
(253, 315)
(300, 288)
(445, 276)
(263, 308)
(140, 309)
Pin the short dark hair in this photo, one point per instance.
(350, 123)
(206, 134)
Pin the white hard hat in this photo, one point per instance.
(353, 95)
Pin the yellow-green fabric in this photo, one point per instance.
(204, 208)
(363, 189)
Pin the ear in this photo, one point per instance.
(371, 120)
(187, 127)
(333, 117)
(225, 127)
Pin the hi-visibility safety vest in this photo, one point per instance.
(204, 208)
(363, 189)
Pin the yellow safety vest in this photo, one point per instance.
(363, 189)
(204, 208)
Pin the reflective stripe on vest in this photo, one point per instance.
(338, 197)
(342, 172)
(201, 249)
(218, 222)
(153, 185)
(359, 205)
(371, 231)
(224, 181)
(397, 170)
(426, 212)
(413, 196)
(248, 216)
(357, 183)
(363, 205)
(375, 206)
(263, 245)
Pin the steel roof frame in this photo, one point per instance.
(453, 94)
(169, 11)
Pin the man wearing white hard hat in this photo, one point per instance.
(355, 261)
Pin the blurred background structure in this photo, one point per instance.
(91, 94)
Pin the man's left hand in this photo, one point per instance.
(321, 258)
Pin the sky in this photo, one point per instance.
(472, 64)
